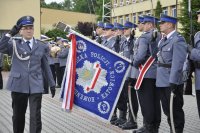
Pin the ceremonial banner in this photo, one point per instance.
(99, 78)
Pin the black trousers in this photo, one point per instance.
(19, 105)
(198, 100)
(122, 102)
(149, 99)
(62, 71)
(58, 73)
(134, 98)
(178, 113)
(1, 79)
(53, 70)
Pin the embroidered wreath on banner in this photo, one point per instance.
(103, 107)
(81, 46)
(119, 66)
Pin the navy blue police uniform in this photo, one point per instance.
(195, 56)
(148, 94)
(126, 49)
(171, 57)
(26, 75)
(99, 38)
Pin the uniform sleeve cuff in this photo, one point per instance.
(8, 35)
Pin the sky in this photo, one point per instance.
(49, 1)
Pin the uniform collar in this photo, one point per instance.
(172, 32)
(31, 40)
(127, 38)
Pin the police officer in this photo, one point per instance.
(1, 67)
(122, 102)
(119, 36)
(100, 32)
(109, 40)
(147, 93)
(134, 70)
(196, 58)
(62, 57)
(51, 60)
(127, 50)
(171, 57)
(25, 81)
(57, 64)
(119, 39)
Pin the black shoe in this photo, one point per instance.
(113, 119)
(140, 130)
(128, 125)
(120, 121)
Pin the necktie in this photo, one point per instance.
(165, 39)
(28, 44)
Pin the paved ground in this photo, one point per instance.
(57, 121)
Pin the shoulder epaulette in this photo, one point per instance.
(43, 42)
(197, 34)
(180, 37)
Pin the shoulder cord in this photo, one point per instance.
(16, 52)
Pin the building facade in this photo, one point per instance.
(12, 10)
(129, 10)
(45, 19)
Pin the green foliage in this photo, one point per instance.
(66, 5)
(85, 6)
(184, 18)
(56, 33)
(99, 8)
(6, 63)
(82, 6)
(158, 9)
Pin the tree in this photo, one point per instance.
(158, 9)
(85, 28)
(82, 6)
(66, 5)
(99, 8)
(93, 7)
(56, 33)
(184, 18)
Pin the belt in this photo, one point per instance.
(197, 64)
(164, 65)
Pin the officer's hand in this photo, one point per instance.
(53, 91)
(15, 30)
(173, 87)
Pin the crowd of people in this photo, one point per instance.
(157, 61)
(161, 77)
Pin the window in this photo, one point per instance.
(133, 1)
(121, 20)
(134, 18)
(174, 13)
(121, 2)
(127, 2)
(165, 11)
(127, 17)
(140, 13)
(148, 12)
(115, 20)
(115, 3)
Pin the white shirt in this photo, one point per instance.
(170, 34)
(31, 42)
